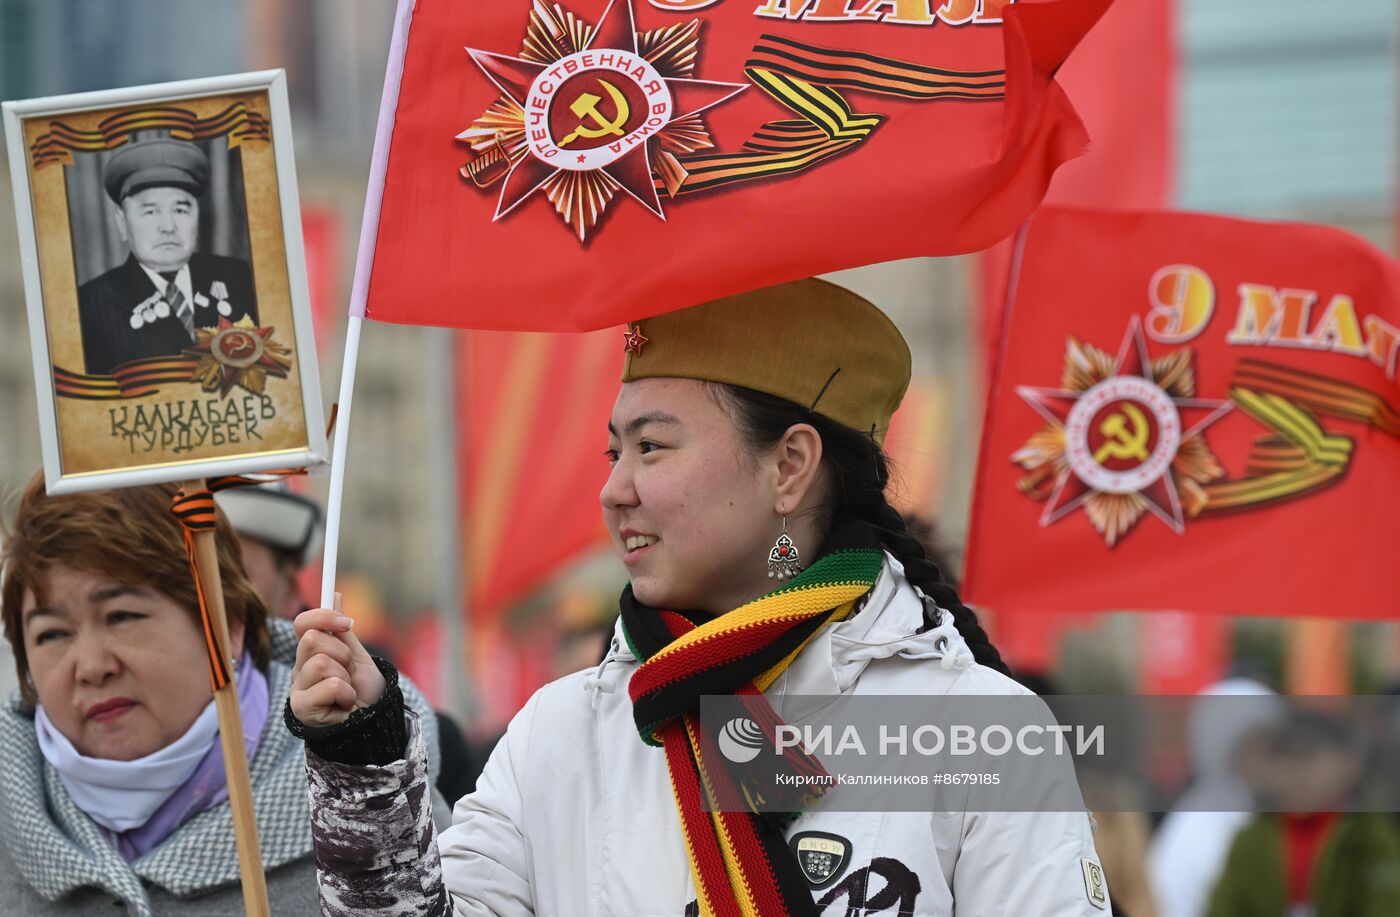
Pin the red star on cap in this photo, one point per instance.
(635, 340)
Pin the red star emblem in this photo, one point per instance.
(1123, 437)
(635, 340)
(238, 354)
(581, 112)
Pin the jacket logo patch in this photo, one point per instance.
(820, 856)
(1094, 884)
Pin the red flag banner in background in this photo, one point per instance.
(577, 164)
(532, 436)
(1192, 412)
(320, 231)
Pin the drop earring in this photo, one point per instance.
(783, 562)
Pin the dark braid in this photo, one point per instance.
(924, 573)
(859, 473)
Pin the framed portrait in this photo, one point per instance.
(169, 317)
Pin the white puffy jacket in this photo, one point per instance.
(574, 814)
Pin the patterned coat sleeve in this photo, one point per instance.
(372, 831)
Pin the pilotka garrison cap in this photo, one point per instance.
(810, 342)
(162, 163)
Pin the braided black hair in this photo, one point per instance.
(859, 472)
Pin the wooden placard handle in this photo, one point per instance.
(240, 787)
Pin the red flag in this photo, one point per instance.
(1123, 82)
(573, 165)
(534, 423)
(1192, 412)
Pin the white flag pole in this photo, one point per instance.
(338, 450)
(359, 292)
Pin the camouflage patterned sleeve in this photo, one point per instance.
(372, 830)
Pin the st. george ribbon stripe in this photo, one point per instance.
(236, 119)
(197, 513)
(807, 79)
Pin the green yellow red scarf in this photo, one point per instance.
(739, 859)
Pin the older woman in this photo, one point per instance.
(113, 790)
(747, 502)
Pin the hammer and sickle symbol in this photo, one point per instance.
(1121, 442)
(586, 107)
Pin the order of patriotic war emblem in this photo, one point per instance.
(579, 108)
(1123, 437)
(591, 113)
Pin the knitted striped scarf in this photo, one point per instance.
(739, 859)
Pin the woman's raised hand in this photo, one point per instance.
(333, 675)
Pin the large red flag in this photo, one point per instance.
(1192, 412)
(573, 165)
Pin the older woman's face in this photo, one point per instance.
(684, 488)
(121, 671)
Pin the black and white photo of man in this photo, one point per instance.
(151, 304)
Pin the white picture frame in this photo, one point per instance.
(228, 417)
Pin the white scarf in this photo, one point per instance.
(121, 795)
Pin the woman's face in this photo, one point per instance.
(120, 670)
(684, 488)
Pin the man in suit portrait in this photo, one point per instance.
(152, 303)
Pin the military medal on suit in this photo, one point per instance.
(125, 317)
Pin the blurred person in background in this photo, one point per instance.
(279, 533)
(1312, 858)
(114, 790)
(1229, 723)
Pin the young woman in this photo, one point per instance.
(745, 442)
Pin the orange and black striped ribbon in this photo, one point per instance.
(868, 73)
(238, 121)
(197, 513)
(1319, 393)
(807, 80)
(131, 380)
(1299, 456)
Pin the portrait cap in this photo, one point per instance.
(160, 163)
(810, 342)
